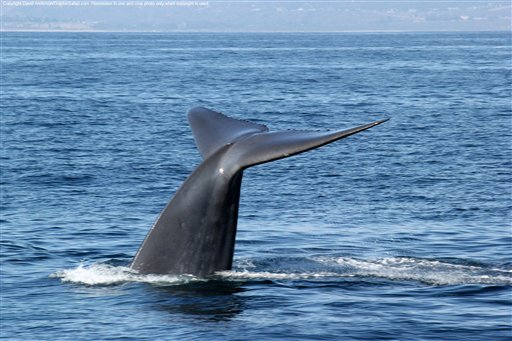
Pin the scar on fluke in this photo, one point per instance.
(195, 233)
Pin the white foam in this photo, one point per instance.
(104, 274)
(423, 270)
(252, 275)
(393, 268)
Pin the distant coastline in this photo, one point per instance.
(253, 16)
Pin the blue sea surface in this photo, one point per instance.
(402, 232)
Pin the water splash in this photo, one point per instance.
(105, 274)
(433, 272)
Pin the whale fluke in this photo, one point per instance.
(195, 233)
(213, 130)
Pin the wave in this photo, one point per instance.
(432, 272)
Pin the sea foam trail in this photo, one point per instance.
(431, 272)
(422, 270)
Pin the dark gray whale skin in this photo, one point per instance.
(195, 233)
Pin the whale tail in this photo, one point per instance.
(195, 233)
(253, 143)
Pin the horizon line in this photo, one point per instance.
(2, 30)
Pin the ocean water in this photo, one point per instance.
(402, 232)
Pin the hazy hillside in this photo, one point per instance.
(255, 16)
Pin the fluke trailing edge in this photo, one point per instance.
(195, 233)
